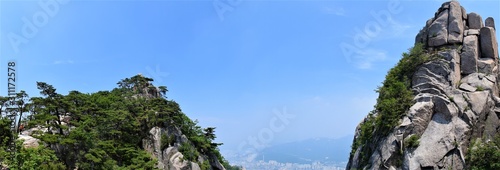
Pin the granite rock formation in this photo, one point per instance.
(456, 97)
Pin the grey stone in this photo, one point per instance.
(490, 22)
(455, 23)
(429, 22)
(420, 114)
(479, 80)
(170, 157)
(470, 54)
(457, 97)
(467, 87)
(491, 125)
(474, 21)
(491, 77)
(454, 58)
(354, 164)
(431, 77)
(421, 36)
(445, 107)
(438, 30)
(486, 65)
(489, 44)
(464, 13)
(29, 141)
(472, 32)
(437, 140)
(478, 100)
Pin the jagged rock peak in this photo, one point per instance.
(456, 98)
(451, 25)
(452, 28)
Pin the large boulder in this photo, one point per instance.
(470, 54)
(29, 141)
(489, 44)
(455, 23)
(438, 30)
(486, 65)
(422, 36)
(481, 81)
(474, 21)
(490, 22)
(464, 13)
(471, 32)
(453, 57)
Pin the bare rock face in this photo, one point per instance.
(490, 22)
(474, 21)
(169, 157)
(29, 141)
(489, 45)
(446, 28)
(470, 54)
(456, 97)
(456, 23)
(438, 30)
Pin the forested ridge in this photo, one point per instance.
(101, 130)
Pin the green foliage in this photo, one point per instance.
(479, 88)
(32, 158)
(167, 141)
(5, 132)
(412, 142)
(106, 129)
(395, 98)
(399, 162)
(190, 153)
(484, 155)
(205, 165)
(466, 108)
(366, 130)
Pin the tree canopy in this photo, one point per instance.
(101, 130)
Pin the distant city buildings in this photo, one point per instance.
(274, 165)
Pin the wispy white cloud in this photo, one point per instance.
(339, 11)
(364, 59)
(398, 29)
(63, 62)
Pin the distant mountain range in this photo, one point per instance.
(324, 150)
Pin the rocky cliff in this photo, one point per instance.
(169, 157)
(455, 99)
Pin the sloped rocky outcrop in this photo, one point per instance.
(456, 97)
(169, 157)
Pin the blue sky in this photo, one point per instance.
(233, 72)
